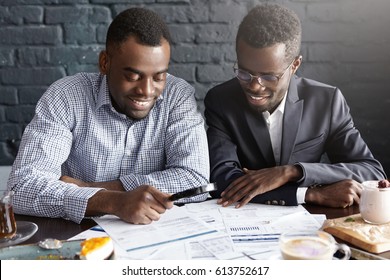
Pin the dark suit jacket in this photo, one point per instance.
(316, 122)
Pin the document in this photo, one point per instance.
(208, 231)
(175, 225)
(207, 211)
(256, 229)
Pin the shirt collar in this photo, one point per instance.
(104, 95)
(282, 104)
(280, 108)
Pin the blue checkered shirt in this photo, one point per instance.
(77, 132)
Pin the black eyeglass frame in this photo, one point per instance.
(272, 80)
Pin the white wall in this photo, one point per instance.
(4, 174)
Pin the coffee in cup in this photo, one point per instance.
(7, 218)
(310, 245)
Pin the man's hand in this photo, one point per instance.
(139, 206)
(115, 185)
(340, 194)
(256, 182)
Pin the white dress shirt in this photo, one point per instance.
(275, 126)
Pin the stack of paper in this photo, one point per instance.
(208, 231)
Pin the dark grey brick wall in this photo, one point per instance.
(345, 43)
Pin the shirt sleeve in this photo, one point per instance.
(44, 147)
(301, 192)
(349, 155)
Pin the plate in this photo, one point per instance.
(24, 230)
(69, 251)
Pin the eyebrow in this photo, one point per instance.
(130, 69)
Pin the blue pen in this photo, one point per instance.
(97, 228)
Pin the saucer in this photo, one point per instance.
(24, 231)
(279, 257)
(276, 257)
(69, 251)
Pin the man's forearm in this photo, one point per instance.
(294, 173)
(101, 203)
(115, 185)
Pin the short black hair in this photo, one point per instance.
(269, 24)
(145, 25)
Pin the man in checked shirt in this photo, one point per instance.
(115, 142)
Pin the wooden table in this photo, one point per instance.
(62, 229)
(54, 228)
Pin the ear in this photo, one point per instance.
(103, 62)
(297, 63)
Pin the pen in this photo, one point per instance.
(97, 228)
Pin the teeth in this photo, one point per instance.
(257, 97)
(141, 103)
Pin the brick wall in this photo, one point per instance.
(345, 43)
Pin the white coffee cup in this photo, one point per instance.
(310, 245)
(375, 203)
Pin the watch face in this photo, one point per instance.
(192, 192)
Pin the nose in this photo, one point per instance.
(146, 87)
(256, 85)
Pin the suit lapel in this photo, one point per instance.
(291, 121)
(259, 129)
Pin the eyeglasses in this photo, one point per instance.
(264, 80)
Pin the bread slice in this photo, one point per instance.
(355, 231)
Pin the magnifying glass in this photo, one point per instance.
(195, 191)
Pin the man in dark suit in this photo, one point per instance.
(269, 131)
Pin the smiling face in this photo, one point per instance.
(136, 75)
(265, 61)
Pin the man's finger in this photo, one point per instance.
(161, 198)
